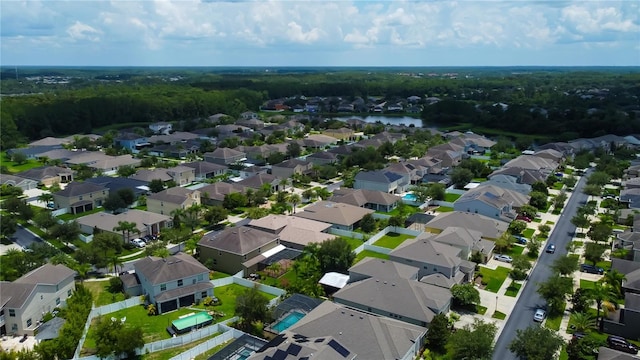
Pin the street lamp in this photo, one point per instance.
(496, 304)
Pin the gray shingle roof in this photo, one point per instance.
(79, 188)
(384, 269)
(490, 228)
(238, 240)
(424, 249)
(44, 172)
(361, 197)
(158, 270)
(371, 337)
(14, 294)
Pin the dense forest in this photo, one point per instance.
(564, 104)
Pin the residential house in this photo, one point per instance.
(17, 181)
(322, 158)
(171, 283)
(33, 152)
(50, 141)
(178, 137)
(176, 151)
(25, 301)
(317, 141)
(344, 134)
(103, 163)
(161, 128)
(48, 175)
(468, 241)
(289, 346)
(491, 229)
(534, 163)
(78, 197)
(258, 182)
(147, 223)
(450, 154)
(520, 175)
(631, 197)
(361, 333)
(340, 216)
(605, 353)
(551, 154)
(633, 183)
(259, 154)
(248, 115)
(294, 232)
(168, 200)
(117, 183)
(206, 170)
(396, 297)
(132, 141)
(181, 175)
(433, 257)
(213, 194)
(492, 201)
(217, 118)
(224, 156)
(369, 199)
(229, 249)
(288, 168)
(381, 269)
(252, 171)
(508, 183)
(380, 180)
(253, 123)
(562, 147)
(623, 322)
(473, 143)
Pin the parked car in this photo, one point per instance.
(523, 218)
(551, 248)
(503, 258)
(591, 269)
(138, 243)
(621, 344)
(520, 239)
(539, 315)
(578, 335)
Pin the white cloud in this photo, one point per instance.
(296, 34)
(589, 20)
(81, 31)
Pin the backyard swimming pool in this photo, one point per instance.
(409, 197)
(287, 321)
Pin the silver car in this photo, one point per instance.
(503, 258)
(539, 315)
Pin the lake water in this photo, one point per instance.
(394, 120)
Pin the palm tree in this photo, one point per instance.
(614, 279)
(127, 228)
(599, 293)
(583, 322)
(83, 269)
(309, 194)
(294, 199)
(45, 198)
(114, 259)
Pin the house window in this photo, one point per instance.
(14, 327)
(91, 196)
(58, 301)
(193, 281)
(215, 262)
(161, 203)
(219, 253)
(69, 292)
(12, 313)
(80, 197)
(244, 257)
(200, 277)
(180, 282)
(204, 294)
(29, 322)
(259, 250)
(42, 296)
(163, 287)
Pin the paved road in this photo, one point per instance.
(24, 238)
(522, 315)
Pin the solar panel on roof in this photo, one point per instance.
(339, 348)
(279, 355)
(294, 349)
(319, 340)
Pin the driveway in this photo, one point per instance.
(522, 314)
(24, 238)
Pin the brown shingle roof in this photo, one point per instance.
(238, 240)
(158, 270)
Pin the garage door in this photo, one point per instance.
(168, 306)
(187, 300)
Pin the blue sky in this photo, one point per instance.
(320, 33)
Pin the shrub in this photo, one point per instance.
(151, 310)
(115, 285)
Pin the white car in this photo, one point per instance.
(138, 243)
(539, 315)
(503, 258)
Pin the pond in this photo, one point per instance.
(393, 120)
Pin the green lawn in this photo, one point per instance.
(13, 167)
(403, 209)
(481, 309)
(528, 233)
(154, 327)
(537, 220)
(169, 353)
(494, 278)
(499, 315)
(553, 323)
(369, 253)
(218, 275)
(549, 222)
(515, 250)
(558, 185)
(586, 284)
(448, 197)
(68, 217)
(101, 294)
(444, 209)
(604, 264)
(392, 240)
(578, 243)
(513, 289)
(353, 243)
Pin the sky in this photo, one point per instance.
(320, 33)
